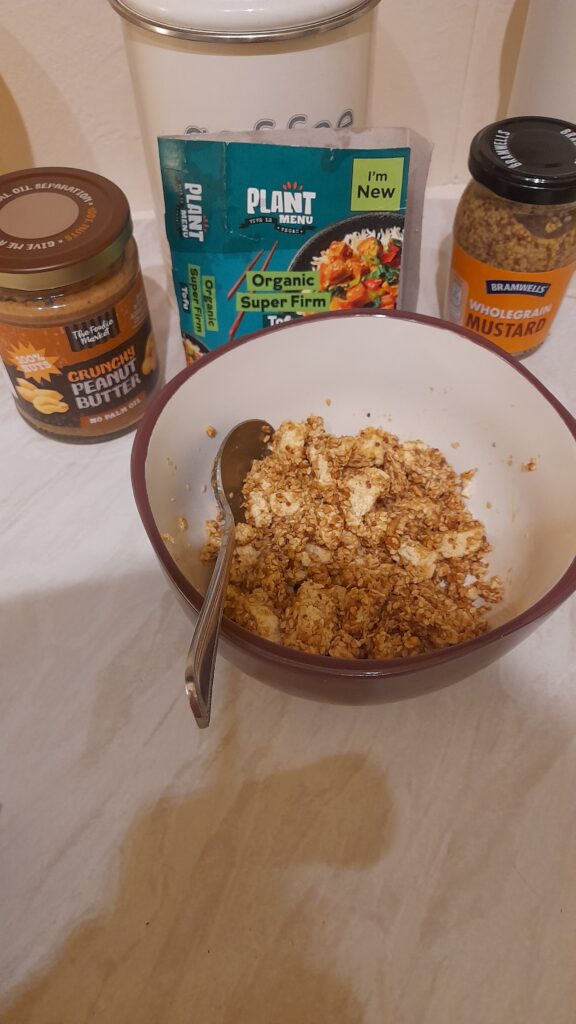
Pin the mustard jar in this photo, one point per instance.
(514, 248)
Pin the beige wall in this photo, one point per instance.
(443, 67)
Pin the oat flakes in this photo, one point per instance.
(357, 547)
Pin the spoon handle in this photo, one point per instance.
(202, 653)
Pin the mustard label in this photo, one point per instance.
(514, 310)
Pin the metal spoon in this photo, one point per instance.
(241, 447)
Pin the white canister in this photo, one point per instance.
(545, 80)
(214, 65)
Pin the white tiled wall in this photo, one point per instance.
(443, 67)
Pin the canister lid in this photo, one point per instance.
(240, 20)
(527, 159)
(59, 226)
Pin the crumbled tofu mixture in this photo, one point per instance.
(357, 547)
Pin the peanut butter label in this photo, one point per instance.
(89, 377)
(94, 331)
(514, 310)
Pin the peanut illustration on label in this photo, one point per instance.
(26, 389)
(44, 400)
(149, 361)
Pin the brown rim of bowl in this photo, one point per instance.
(320, 663)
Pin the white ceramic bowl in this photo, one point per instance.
(419, 378)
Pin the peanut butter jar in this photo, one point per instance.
(75, 332)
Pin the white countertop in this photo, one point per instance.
(295, 863)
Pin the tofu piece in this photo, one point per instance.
(419, 557)
(245, 533)
(410, 451)
(285, 503)
(312, 621)
(320, 466)
(245, 555)
(365, 488)
(254, 612)
(290, 438)
(317, 553)
(368, 448)
(258, 510)
(456, 544)
(265, 619)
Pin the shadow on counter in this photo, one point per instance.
(214, 913)
(207, 924)
(218, 912)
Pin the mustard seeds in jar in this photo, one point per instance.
(75, 332)
(514, 248)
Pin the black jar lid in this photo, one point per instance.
(527, 159)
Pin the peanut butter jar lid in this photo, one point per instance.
(59, 226)
(527, 159)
